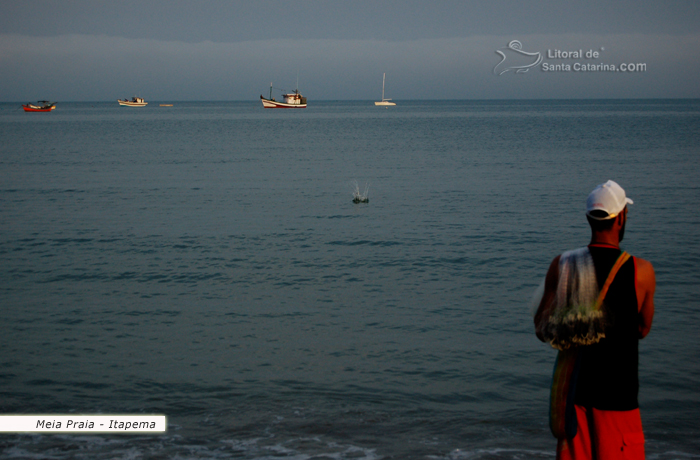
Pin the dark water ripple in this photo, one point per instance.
(205, 269)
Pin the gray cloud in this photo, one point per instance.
(394, 20)
(81, 67)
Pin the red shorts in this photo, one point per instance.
(604, 435)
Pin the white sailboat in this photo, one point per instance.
(384, 102)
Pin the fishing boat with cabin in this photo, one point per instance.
(293, 100)
(134, 102)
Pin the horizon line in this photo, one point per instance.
(404, 100)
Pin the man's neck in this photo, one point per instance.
(604, 245)
(605, 239)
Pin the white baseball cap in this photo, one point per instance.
(608, 199)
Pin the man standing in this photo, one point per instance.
(605, 386)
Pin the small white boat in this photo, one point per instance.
(292, 100)
(384, 102)
(134, 102)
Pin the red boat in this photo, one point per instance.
(45, 106)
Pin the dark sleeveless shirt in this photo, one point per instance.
(607, 377)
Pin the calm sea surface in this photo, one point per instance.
(205, 261)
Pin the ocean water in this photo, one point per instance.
(205, 261)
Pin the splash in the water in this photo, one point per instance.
(357, 196)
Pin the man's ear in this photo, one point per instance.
(621, 218)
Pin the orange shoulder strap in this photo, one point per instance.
(624, 257)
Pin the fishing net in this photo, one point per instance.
(575, 317)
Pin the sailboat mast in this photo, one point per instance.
(383, 78)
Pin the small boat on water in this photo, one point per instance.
(384, 102)
(134, 102)
(45, 106)
(293, 100)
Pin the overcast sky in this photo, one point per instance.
(173, 50)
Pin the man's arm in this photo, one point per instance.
(550, 289)
(646, 286)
